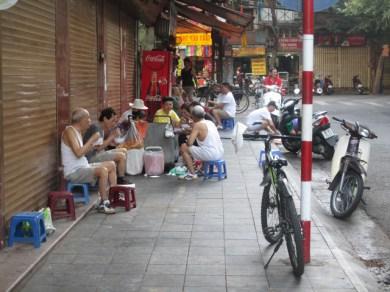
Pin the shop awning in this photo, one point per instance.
(184, 26)
(232, 16)
(146, 11)
(208, 20)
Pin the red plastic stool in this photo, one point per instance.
(57, 212)
(129, 196)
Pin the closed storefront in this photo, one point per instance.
(83, 55)
(113, 49)
(342, 63)
(28, 93)
(130, 58)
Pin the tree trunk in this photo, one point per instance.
(376, 65)
(376, 87)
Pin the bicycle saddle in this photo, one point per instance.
(279, 162)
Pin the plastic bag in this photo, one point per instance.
(178, 171)
(169, 131)
(47, 220)
(132, 138)
(135, 161)
(237, 138)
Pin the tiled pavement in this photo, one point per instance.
(186, 236)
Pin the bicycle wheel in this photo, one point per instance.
(293, 236)
(344, 202)
(270, 223)
(242, 103)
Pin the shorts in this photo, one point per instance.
(199, 153)
(222, 114)
(84, 175)
(102, 156)
(256, 127)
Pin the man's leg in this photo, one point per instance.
(217, 115)
(111, 169)
(102, 174)
(185, 152)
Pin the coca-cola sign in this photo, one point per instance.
(155, 59)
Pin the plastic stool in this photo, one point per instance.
(274, 153)
(68, 211)
(228, 123)
(208, 169)
(129, 200)
(82, 197)
(37, 226)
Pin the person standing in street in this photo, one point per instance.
(188, 80)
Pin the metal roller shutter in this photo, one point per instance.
(29, 104)
(112, 34)
(131, 65)
(83, 55)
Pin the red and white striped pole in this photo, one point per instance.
(307, 130)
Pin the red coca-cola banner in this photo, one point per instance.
(155, 79)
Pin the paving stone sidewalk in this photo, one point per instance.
(191, 236)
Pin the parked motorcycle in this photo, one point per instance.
(324, 139)
(317, 89)
(349, 168)
(357, 85)
(328, 86)
(259, 91)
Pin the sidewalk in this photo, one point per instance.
(189, 236)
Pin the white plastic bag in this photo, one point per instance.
(47, 220)
(237, 138)
(135, 161)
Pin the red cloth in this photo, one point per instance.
(269, 80)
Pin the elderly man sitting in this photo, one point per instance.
(206, 135)
(76, 166)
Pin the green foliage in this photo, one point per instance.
(374, 16)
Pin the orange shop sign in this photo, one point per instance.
(193, 39)
(248, 52)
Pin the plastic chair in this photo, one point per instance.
(34, 233)
(208, 169)
(57, 212)
(128, 192)
(78, 197)
(228, 123)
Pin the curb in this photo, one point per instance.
(15, 285)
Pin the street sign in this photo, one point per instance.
(297, 4)
(259, 66)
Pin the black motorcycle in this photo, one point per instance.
(357, 85)
(324, 139)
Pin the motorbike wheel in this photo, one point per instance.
(292, 146)
(328, 153)
(242, 103)
(344, 202)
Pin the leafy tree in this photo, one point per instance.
(374, 20)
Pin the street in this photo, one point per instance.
(362, 234)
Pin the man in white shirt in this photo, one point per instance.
(260, 119)
(225, 107)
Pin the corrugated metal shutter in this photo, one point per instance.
(342, 63)
(29, 104)
(131, 65)
(112, 33)
(83, 55)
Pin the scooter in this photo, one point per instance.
(317, 89)
(324, 139)
(349, 168)
(357, 85)
(328, 86)
(259, 91)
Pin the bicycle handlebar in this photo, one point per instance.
(271, 137)
(337, 119)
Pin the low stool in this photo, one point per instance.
(79, 197)
(228, 123)
(35, 233)
(58, 212)
(208, 169)
(274, 153)
(128, 192)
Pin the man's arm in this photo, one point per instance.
(194, 134)
(71, 140)
(272, 126)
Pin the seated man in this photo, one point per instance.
(225, 107)
(76, 166)
(207, 137)
(166, 114)
(260, 119)
(106, 126)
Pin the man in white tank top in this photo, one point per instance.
(76, 166)
(206, 135)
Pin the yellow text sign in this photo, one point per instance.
(259, 66)
(193, 39)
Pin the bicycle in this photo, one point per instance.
(277, 205)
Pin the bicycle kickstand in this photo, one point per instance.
(275, 251)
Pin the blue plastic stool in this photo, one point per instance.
(274, 153)
(208, 169)
(228, 123)
(82, 197)
(36, 233)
